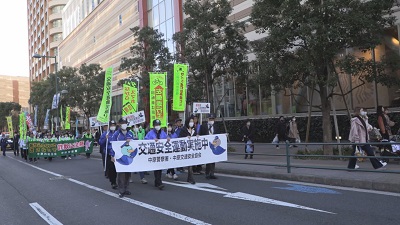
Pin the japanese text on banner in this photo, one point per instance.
(129, 98)
(10, 126)
(148, 155)
(158, 98)
(105, 107)
(180, 86)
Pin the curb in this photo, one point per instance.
(362, 184)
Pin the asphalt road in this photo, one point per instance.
(76, 192)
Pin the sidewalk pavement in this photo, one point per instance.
(274, 167)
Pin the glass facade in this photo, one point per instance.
(161, 17)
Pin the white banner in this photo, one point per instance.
(56, 100)
(95, 123)
(149, 155)
(201, 107)
(135, 118)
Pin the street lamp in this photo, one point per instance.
(37, 56)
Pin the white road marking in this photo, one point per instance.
(203, 185)
(313, 184)
(44, 214)
(132, 201)
(247, 197)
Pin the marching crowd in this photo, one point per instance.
(121, 132)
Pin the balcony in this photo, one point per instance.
(53, 3)
(54, 16)
(55, 30)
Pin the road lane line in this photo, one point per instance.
(132, 201)
(313, 184)
(46, 216)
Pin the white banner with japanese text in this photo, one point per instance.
(149, 155)
(135, 118)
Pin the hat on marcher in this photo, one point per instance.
(112, 122)
(156, 122)
(122, 120)
(211, 116)
(178, 119)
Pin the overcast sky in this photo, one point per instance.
(14, 54)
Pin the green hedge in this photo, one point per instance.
(265, 128)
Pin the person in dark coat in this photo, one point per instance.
(281, 130)
(248, 137)
(209, 129)
(3, 144)
(189, 130)
(16, 144)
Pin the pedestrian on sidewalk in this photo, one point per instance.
(189, 131)
(171, 172)
(293, 135)
(281, 130)
(248, 139)
(105, 141)
(156, 134)
(359, 134)
(209, 129)
(122, 134)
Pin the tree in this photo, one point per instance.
(85, 87)
(211, 44)
(9, 109)
(149, 53)
(305, 37)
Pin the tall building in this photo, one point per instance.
(98, 32)
(15, 89)
(44, 35)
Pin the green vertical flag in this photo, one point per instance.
(61, 119)
(67, 118)
(129, 98)
(105, 107)
(158, 98)
(10, 126)
(22, 126)
(180, 87)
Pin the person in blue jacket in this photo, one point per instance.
(107, 147)
(156, 134)
(122, 134)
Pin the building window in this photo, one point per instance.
(57, 23)
(57, 9)
(120, 19)
(57, 37)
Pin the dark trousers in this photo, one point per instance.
(123, 181)
(190, 174)
(112, 173)
(16, 149)
(210, 167)
(4, 150)
(157, 178)
(197, 169)
(367, 148)
(281, 137)
(24, 154)
(171, 171)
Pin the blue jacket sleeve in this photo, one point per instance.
(103, 139)
(150, 135)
